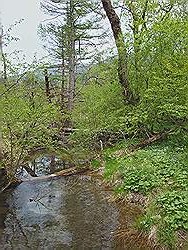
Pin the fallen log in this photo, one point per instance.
(148, 141)
(142, 144)
(65, 172)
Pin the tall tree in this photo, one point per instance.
(2, 55)
(70, 35)
(121, 48)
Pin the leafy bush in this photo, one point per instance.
(26, 124)
(100, 110)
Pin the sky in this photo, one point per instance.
(29, 10)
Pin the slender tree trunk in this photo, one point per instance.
(121, 48)
(72, 79)
(2, 55)
(135, 30)
(139, 20)
(72, 56)
(62, 81)
(47, 85)
(62, 91)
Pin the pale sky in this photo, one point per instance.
(29, 10)
(14, 10)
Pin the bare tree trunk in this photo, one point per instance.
(62, 83)
(72, 56)
(72, 78)
(2, 55)
(62, 100)
(121, 48)
(47, 85)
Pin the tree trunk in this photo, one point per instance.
(71, 56)
(71, 87)
(138, 26)
(62, 91)
(47, 85)
(121, 48)
(62, 83)
(2, 55)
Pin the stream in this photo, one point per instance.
(64, 213)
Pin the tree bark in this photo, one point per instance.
(62, 81)
(72, 79)
(66, 172)
(121, 48)
(71, 55)
(47, 85)
(2, 55)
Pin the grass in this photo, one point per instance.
(159, 172)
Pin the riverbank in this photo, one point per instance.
(154, 177)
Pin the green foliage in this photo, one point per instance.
(100, 108)
(159, 172)
(157, 70)
(168, 212)
(27, 123)
(173, 207)
(78, 21)
(159, 82)
(160, 79)
(95, 163)
(157, 75)
(96, 118)
(162, 164)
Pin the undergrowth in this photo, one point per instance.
(160, 173)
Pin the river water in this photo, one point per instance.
(63, 213)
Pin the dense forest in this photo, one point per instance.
(112, 96)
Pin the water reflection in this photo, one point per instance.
(62, 214)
